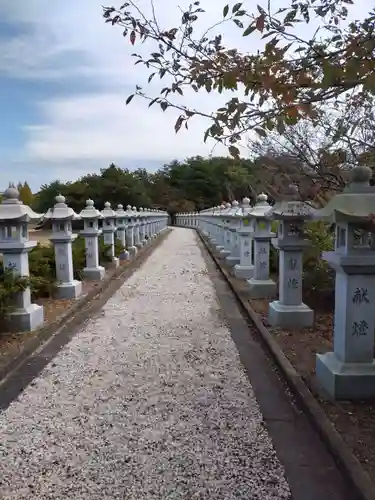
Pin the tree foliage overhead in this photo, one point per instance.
(289, 80)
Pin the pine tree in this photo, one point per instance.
(26, 195)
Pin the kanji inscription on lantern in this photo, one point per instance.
(293, 264)
(62, 267)
(89, 243)
(359, 328)
(247, 253)
(293, 283)
(89, 254)
(262, 251)
(12, 266)
(263, 264)
(247, 243)
(360, 296)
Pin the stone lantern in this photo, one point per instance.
(146, 226)
(109, 229)
(91, 216)
(245, 268)
(220, 233)
(132, 249)
(137, 232)
(142, 227)
(121, 229)
(15, 247)
(234, 224)
(152, 233)
(61, 217)
(289, 311)
(261, 285)
(225, 223)
(349, 371)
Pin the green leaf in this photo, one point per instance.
(248, 30)
(152, 102)
(225, 11)
(239, 24)
(234, 151)
(261, 132)
(163, 105)
(128, 100)
(236, 7)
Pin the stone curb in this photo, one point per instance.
(347, 462)
(81, 309)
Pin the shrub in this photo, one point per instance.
(42, 271)
(10, 284)
(318, 277)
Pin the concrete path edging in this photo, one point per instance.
(81, 310)
(347, 462)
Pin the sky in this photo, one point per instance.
(64, 79)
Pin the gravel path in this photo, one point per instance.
(148, 401)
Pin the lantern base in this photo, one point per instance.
(94, 273)
(115, 262)
(261, 289)
(68, 291)
(124, 255)
(243, 272)
(223, 254)
(132, 251)
(295, 317)
(26, 319)
(232, 260)
(345, 380)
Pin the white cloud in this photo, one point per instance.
(71, 40)
(100, 126)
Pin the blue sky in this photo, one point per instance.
(64, 79)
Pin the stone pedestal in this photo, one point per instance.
(109, 239)
(142, 227)
(234, 257)
(227, 243)
(260, 285)
(289, 311)
(220, 238)
(67, 287)
(91, 232)
(109, 229)
(129, 234)
(137, 236)
(245, 269)
(349, 371)
(93, 271)
(25, 316)
(62, 237)
(121, 232)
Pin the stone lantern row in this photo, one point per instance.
(133, 228)
(242, 235)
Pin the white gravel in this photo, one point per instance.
(148, 401)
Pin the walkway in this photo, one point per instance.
(148, 401)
